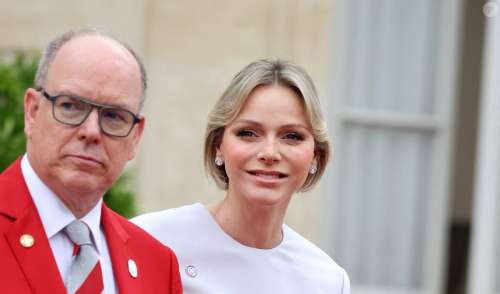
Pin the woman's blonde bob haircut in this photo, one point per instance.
(229, 105)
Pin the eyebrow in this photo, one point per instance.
(85, 99)
(252, 122)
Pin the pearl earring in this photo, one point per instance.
(218, 161)
(313, 169)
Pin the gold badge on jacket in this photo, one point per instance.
(27, 240)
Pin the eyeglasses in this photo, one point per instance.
(73, 111)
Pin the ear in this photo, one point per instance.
(137, 137)
(314, 162)
(31, 107)
(318, 153)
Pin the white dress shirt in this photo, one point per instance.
(56, 216)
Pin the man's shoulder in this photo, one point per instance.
(157, 263)
(14, 194)
(135, 233)
(141, 244)
(12, 174)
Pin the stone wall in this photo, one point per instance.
(191, 49)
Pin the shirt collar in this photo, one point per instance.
(54, 214)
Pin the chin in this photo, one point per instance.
(267, 198)
(83, 183)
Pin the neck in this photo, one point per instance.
(81, 209)
(78, 202)
(255, 226)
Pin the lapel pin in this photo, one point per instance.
(132, 268)
(191, 271)
(27, 240)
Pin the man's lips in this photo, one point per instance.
(86, 158)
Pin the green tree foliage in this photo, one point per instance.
(15, 77)
(120, 197)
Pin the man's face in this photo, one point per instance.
(80, 163)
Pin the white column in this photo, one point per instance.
(483, 252)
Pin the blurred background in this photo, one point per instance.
(410, 89)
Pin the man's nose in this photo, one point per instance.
(90, 129)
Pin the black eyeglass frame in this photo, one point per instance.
(52, 99)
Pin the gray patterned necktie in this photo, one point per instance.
(85, 273)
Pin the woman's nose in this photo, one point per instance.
(269, 153)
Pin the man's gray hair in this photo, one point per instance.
(53, 47)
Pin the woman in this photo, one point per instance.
(266, 139)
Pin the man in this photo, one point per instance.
(82, 127)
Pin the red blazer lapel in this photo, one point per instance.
(36, 261)
(121, 255)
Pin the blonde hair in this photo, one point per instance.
(266, 72)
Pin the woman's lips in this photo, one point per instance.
(267, 176)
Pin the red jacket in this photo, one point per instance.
(34, 269)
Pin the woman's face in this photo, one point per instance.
(268, 148)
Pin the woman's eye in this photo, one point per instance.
(246, 133)
(293, 136)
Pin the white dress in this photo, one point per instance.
(211, 262)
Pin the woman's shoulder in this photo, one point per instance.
(310, 253)
(169, 220)
(315, 268)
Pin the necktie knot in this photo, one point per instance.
(79, 233)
